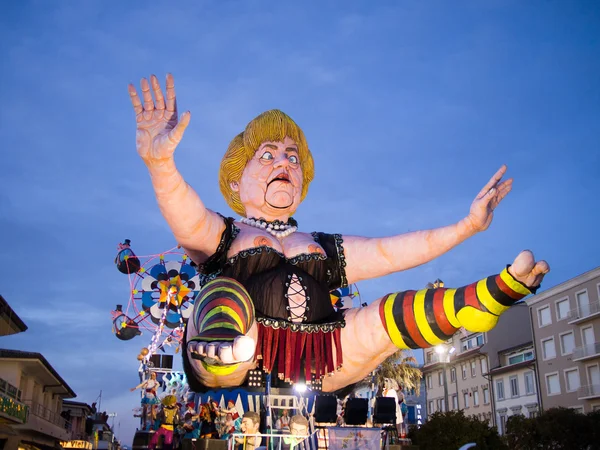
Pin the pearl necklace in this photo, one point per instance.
(277, 228)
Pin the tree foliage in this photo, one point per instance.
(452, 430)
(556, 428)
(401, 367)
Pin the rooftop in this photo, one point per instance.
(19, 354)
(10, 322)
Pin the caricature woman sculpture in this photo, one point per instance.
(266, 294)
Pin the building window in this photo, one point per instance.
(466, 399)
(464, 371)
(583, 303)
(475, 398)
(520, 357)
(529, 383)
(486, 395)
(514, 386)
(484, 366)
(472, 342)
(502, 429)
(500, 389)
(473, 368)
(430, 407)
(453, 375)
(548, 348)
(429, 357)
(455, 401)
(440, 378)
(438, 404)
(429, 383)
(572, 380)
(552, 384)
(544, 316)
(562, 309)
(567, 343)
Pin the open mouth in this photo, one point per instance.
(281, 177)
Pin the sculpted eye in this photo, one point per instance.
(293, 159)
(267, 156)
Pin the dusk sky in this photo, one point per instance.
(408, 107)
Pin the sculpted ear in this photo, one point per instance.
(235, 186)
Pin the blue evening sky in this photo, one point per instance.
(408, 107)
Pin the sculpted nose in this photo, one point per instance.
(281, 161)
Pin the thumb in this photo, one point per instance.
(176, 133)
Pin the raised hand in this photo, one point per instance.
(482, 208)
(526, 270)
(159, 129)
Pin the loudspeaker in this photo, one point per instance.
(166, 361)
(385, 410)
(155, 361)
(326, 408)
(356, 411)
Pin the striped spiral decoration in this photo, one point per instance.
(223, 310)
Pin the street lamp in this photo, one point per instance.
(444, 353)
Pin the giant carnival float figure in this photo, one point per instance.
(265, 297)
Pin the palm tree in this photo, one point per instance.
(401, 367)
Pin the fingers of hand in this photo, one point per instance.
(500, 192)
(541, 268)
(171, 105)
(493, 181)
(137, 104)
(148, 102)
(158, 95)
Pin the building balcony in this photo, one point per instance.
(46, 421)
(586, 352)
(588, 392)
(584, 312)
(12, 410)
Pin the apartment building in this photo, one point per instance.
(455, 370)
(37, 393)
(512, 374)
(566, 331)
(483, 368)
(78, 414)
(514, 389)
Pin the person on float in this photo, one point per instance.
(150, 400)
(169, 420)
(249, 427)
(298, 432)
(266, 291)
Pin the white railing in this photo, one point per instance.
(275, 441)
(586, 351)
(589, 391)
(48, 415)
(583, 311)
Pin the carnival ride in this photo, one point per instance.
(161, 297)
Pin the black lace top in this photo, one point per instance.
(266, 274)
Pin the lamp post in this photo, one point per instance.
(444, 353)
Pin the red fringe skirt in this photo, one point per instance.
(310, 350)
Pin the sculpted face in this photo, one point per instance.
(271, 184)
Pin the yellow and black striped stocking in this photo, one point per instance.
(421, 319)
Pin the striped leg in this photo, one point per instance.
(421, 319)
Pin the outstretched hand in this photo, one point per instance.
(526, 270)
(482, 208)
(159, 129)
